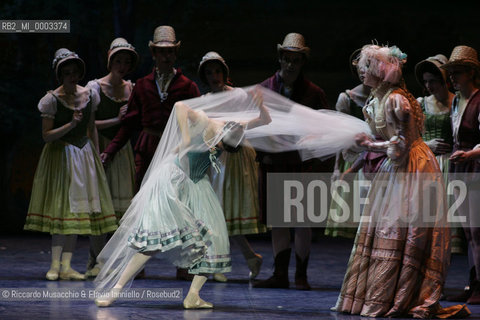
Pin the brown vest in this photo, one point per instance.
(469, 132)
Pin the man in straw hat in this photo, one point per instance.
(463, 69)
(151, 103)
(290, 82)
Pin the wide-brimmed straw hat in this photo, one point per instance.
(62, 56)
(433, 65)
(463, 56)
(294, 42)
(212, 56)
(120, 44)
(164, 37)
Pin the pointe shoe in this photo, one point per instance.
(52, 274)
(92, 272)
(193, 301)
(254, 265)
(219, 277)
(108, 299)
(71, 274)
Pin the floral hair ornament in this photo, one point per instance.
(396, 52)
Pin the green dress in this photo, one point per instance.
(438, 125)
(239, 196)
(70, 194)
(120, 171)
(237, 187)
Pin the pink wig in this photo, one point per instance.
(383, 62)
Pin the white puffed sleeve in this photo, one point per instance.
(93, 85)
(95, 99)
(343, 103)
(48, 106)
(420, 100)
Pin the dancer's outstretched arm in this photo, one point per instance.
(264, 117)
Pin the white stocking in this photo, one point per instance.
(57, 247)
(66, 260)
(197, 284)
(193, 300)
(133, 267)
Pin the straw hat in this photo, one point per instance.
(164, 37)
(463, 56)
(432, 65)
(212, 56)
(120, 44)
(294, 42)
(64, 55)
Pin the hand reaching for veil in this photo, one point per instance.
(264, 117)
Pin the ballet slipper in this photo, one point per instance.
(254, 265)
(52, 274)
(93, 272)
(71, 274)
(193, 301)
(219, 277)
(107, 299)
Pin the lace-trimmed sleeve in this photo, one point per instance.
(48, 106)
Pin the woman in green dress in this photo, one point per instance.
(436, 107)
(70, 194)
(438, 129)
(236, 186)
(114, 93)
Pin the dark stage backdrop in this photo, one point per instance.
(245, 32)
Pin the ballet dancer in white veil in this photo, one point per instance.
(176, 213)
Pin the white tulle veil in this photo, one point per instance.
(315, 134)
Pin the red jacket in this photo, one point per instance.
(304, 91)
(307, 93)
(145, 110)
